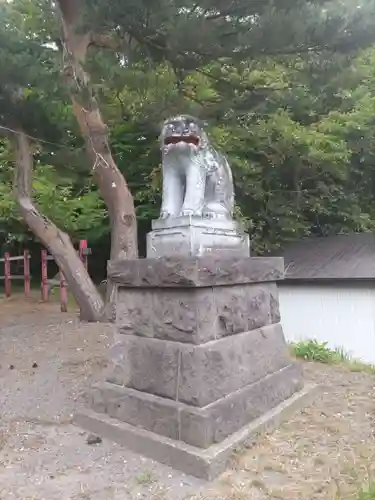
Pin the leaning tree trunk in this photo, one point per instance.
(110, 181)
(58, 243)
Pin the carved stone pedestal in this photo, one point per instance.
(191, 236)
(199, 365)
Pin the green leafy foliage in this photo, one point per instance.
(191, 34)
(79, 212)
(293, 108)
(312, 350)
(367, 493)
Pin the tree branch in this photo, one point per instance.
(24, 165)
(112, 184)
(69, 10)
(58, 242)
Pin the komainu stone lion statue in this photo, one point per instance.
(197, 179)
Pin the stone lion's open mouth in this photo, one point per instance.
(188, 139)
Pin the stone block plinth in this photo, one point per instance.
(199, 362)
(187, 236)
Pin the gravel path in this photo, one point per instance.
(49, 359)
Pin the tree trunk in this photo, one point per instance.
(112, 185)
(58, 243)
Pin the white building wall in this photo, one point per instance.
(342, 315)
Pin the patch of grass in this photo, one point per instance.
(313, 350)
(367, 493)
(358, 366)
(145, 479)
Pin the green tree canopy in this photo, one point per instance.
(280, 84)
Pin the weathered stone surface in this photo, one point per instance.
(194, 315)
(274, 303)
(203, 271)
(230, 414)
(118, 371)
(203, 463)
(214, 370)
(152, 365)
(200, 374)
(199, 427)
(134, 311)
(115, 375)
(137, 408)
(187, 316)
(205, 426)
(241, 308)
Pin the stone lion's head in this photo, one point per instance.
(181, 133)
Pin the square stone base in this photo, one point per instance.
(197, 426)
(203, 463)
(199, 364)
(194, 236)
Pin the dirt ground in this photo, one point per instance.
(49, 359)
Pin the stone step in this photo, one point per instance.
(200, 427)
(205, 464)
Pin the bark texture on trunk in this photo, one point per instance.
(58, 243)
(112, 185)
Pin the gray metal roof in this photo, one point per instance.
(342, 257)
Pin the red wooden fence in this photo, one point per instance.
(8, 276)
(84, 251)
